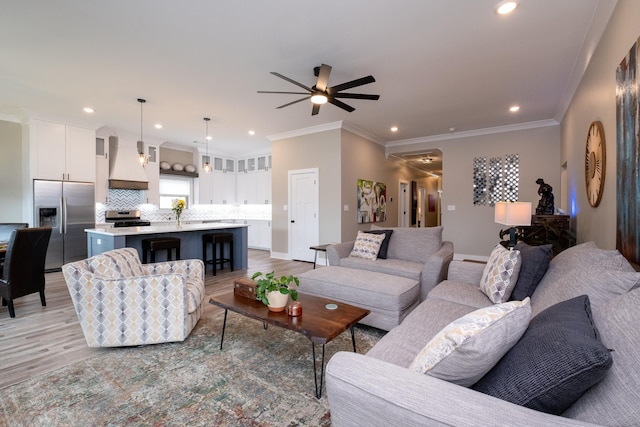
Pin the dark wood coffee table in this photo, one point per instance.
(318, 323)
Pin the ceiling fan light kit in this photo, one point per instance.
(320, 93)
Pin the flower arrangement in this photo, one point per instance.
(177, 205)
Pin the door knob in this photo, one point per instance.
(292, 221)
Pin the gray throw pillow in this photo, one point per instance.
(557, 359)
(385, 243)
(535, 261)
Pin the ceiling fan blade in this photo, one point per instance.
(315, 110)
(341, 104)
(292, 81)
(323, 77)
(287, 93)
(294, 102)
(353, 83)
(357, 96)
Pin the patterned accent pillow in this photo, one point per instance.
(367, 245)
(467, 348)
(382, 254)
(500, 274)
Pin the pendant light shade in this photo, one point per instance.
(141, 157)
(206, 166)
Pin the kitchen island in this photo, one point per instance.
(106, 238)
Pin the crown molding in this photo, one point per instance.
(349, 127)
(305, 131)
(473, 133)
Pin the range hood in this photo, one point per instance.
(125, 170)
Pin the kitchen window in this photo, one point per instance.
(175, 187)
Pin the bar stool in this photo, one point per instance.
(150, 246)
(217, 239)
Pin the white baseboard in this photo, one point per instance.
(280, 255)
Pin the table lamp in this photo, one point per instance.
(513, 214)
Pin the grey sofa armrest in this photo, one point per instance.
(364, 391)
(435, 269)
(466, 272)
(339, 250)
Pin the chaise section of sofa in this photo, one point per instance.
(415, 253)
(379, 388)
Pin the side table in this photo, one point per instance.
(319, 248)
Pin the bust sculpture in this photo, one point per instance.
(546, 203)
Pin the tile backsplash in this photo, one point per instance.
(135, 199)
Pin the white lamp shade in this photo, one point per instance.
(513, 213)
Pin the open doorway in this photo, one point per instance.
(420, 199)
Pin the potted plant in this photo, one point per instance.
(274, 292)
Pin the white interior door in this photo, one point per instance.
(303, 213)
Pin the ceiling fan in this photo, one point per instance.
(320, 93)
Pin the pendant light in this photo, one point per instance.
(207, 164)
(141, 157)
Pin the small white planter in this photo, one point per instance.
(277, 301)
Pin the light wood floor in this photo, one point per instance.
(40, 339)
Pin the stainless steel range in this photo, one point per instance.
(125, 218)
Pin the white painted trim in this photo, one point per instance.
(280, 255)
(473, 133)
(349, 127)
(316, 172)
(305, 131)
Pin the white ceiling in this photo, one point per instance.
(438, 64)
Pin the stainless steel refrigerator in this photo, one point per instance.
(68, 208)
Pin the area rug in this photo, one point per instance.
(261, 377)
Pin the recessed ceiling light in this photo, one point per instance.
(394, 129)
(87, 110)
(514, 108)
(158, 126)
(506, 7)
(252, 132)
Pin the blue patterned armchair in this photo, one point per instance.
(122, 302)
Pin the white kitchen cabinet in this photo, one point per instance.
(259, 234)
(254, 188)
(247, 188)
(152, 168)
(224, 188)
(62, 152)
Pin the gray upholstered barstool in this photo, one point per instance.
(150, 246)
(217, 239)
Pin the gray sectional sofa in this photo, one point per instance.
(415, 253)
(379, 389)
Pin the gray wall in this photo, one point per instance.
(319, 150)
(342, 158)
(595, 100)
(363, 159)
(11, 172)
(472, 228)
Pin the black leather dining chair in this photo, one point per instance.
(6, 228)
(23, 272)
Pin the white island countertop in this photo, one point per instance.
(109, 230)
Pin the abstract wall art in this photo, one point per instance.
(372, 201)
(628, 150)
(496, 180)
